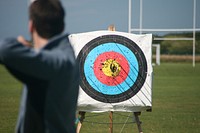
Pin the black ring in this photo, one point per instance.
(134, 89)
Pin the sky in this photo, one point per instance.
(92, 15)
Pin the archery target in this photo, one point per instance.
(115, 71)
(113, 68)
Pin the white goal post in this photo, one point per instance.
(157, 46)
(194, 29)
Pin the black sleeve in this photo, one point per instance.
(43, 65)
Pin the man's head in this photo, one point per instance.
(46, 17)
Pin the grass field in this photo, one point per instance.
(176, 104)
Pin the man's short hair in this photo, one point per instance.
(48, 17)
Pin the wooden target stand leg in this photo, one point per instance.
(82, 117)
(111, 122)
(138, 122)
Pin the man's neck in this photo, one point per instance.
(39, 42)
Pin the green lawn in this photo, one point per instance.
(176, 100)
(10, 90)
(176, 104)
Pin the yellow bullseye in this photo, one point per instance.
(111, 68)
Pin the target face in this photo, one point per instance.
(113, 68)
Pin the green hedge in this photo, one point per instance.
(179, 47)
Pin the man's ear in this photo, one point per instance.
(30, 26)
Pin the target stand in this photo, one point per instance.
(115, 70)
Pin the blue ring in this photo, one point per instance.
(105, 89)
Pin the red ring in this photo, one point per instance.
(111, 81)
